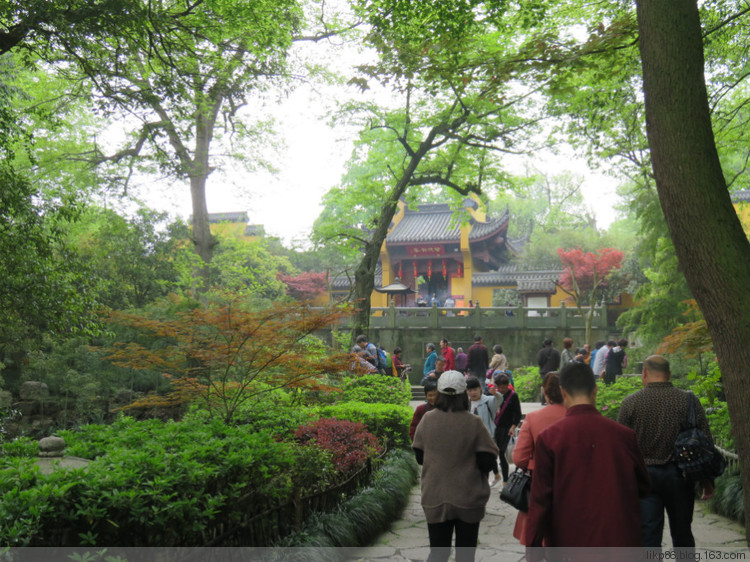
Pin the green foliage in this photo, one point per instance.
(388, 422)
(720, 424)
(361, 518)
(609, 396)
(150, 483)
(708, 386)
(20, 447)
(527, 384)
(274, 412)
(374, 389)
(247, 267)
(728, 499)
(134, 259)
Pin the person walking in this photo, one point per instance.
(499, 361)
(479, 361)
(656, 413)
(567, 355)
(429, 362)
(588, 475)
(548, 360)
(507, 419)
(449, 355)
(457, 454)
(533, 424)
(615, 362)
(461, 360)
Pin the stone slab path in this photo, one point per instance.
(407, 537)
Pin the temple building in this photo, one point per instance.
(431, 251)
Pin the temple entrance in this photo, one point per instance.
(437, 285)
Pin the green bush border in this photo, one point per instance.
(360, 519)
(728, 499)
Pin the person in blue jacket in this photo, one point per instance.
(429, 364)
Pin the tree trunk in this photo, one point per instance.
(711, 246)
(364, 276)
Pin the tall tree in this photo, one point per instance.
(708, 237)
(452, 67)
(187, 86)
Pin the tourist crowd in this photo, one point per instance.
(595, 482)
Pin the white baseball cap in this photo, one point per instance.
(452, 382)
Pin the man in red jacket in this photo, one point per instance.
(448, 354)
(588, 475)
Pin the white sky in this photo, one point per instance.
(313, 160)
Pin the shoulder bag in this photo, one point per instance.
(694, 451)
(517, 490)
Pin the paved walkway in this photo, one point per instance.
(407, 538)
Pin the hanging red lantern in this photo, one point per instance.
(445, 269)
(400, 271)
(429, 269)
(416, 274)
(460, 269)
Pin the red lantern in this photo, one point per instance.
(416, 274)
(460, 269)
(445, 269)
(400, 271)
(429, 269)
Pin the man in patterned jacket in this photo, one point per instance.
(656, 413)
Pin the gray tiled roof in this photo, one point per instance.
(482, 230)
(432, 223)
(341, 282)
(741, 196)
(525, 281)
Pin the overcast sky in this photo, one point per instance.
(312, 160)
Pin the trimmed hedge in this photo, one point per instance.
(153, 484)
(388, 422)
(361, 518)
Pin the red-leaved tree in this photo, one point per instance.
(224, 354)
(585, 275)
(305, 286)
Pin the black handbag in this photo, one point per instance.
(694, 451)
(517, 490)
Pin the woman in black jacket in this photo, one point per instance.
(507, 419)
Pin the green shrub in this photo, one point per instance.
(374, 389)
(718, 421)
(609, 396)
(388, 422)
(527, 384)
(728, 499)
(361, 518)
(20, 447)
(153, 484)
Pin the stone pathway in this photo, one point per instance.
(407, 538)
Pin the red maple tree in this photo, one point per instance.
(305, 286)
(584, 276)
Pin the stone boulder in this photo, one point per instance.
(34, 390)
(51, 446)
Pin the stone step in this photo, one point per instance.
(417, 392)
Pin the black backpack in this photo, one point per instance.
(694, 451)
